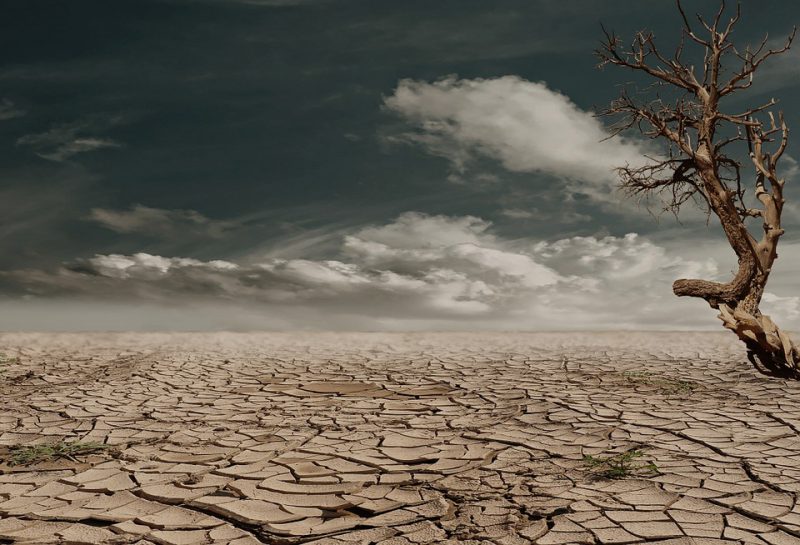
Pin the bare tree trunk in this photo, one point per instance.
(738, 301)
(716, 293)
(769, 348)
(697, 166)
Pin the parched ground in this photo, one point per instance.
(397, 439)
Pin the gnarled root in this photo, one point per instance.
(766, 344)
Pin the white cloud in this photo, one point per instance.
(525, 125)
(445, 272)
(786, 307)
(621, 258)
(160, 222)
(120, 266)
(414, 230)
(416, 244)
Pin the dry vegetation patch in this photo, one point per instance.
(23, 455)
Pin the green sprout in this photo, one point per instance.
(619, 466)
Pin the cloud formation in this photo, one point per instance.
(160, 222)
(524, 125)
(62, 142)
(440, 271)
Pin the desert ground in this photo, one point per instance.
(396, 439)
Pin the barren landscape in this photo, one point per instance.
(396, 439)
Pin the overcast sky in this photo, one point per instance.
(345, 164)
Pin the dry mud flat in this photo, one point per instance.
(398, 439)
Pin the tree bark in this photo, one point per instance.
(697, 164)
(770, 349)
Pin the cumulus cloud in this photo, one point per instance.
(160, 222)
(625, 281)
(786, 307)
(445, 272)
(524, 125)
(416, 245)
(621, 258)
(62, 142)
(413, 229)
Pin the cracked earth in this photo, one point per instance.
(397, 439)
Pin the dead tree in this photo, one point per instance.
(710, 156)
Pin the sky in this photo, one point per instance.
(347, 164)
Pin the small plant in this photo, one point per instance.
(619, 466)
(34, 454)
(666, 385)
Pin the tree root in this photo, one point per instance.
(766, 343)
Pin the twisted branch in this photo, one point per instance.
(698, 166)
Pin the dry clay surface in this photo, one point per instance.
(397, 439)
